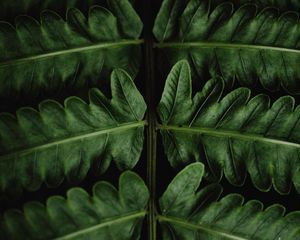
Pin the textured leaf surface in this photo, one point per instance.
(11, 9)
(57, 142)
(47, 57)
(167, 18)
(233, 134)
(108, 214)
(240, 44)
(228, 218)
(282, 5)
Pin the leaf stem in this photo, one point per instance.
(54, 53)
(151, 119)
(94, 132)
(151, 175)
(200, 227)
(223, 45)
(226, 133)
(103, 224)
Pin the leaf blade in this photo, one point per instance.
(54, 55)
(63, 217)
(227, 43)
(236, 135)
(59, 142)
(227, 218)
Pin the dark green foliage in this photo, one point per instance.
(240, 44)
(107, 214)
(10, 9)
(57, 142)
(46, 58)
(233, 134)
(196, 214)
(210, 126)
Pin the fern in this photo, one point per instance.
(168, 17)
(43, 59)
(58, 142)
(248, 135)
(189, 213)
(108, 214)
(238, 44)
(208, 128)
(283, 5)
(13, 8)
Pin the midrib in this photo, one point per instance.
(223, 45)
(116, 220)
(93, 133)
(231, 134)
(71, 50)
(200, 227)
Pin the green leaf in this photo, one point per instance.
(241, 44)
(57, 142)
(43, 59)
(10, 9)
(129, 21)
(233, 134)
(56, 49)
(282, 5)
(177, 93)
(228, 218)
(179, 198)
(166, 20)
(108, 214)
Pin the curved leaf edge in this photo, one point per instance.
(181, 126)
(65, 17)
(119, 79)
(29, 215)
(206, 201)
(163, 42)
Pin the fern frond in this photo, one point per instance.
(65, 141)
(233, 134)
(107, 214)
(242, 44)
(198, 214)
(44, 58)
